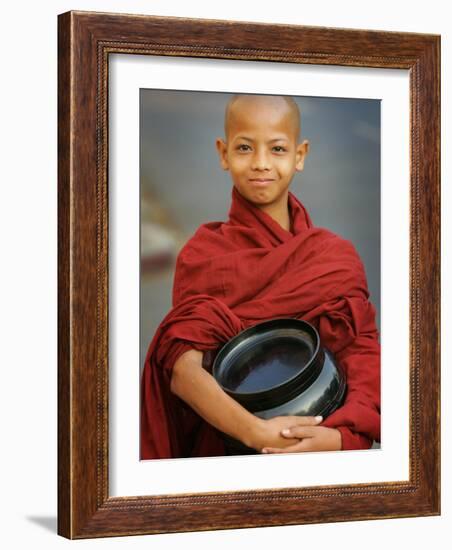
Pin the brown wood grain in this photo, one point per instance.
(64, 295)
(85, 508)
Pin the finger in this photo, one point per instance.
(300, 431)
(307, 420)
(305, 445)
(272, 450)
(277, 450)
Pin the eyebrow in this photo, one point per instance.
(270, 141)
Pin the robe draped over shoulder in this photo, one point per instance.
(232, 275)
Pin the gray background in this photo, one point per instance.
(340, 185)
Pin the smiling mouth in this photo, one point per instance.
(261, 181)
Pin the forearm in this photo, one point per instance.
(194, 385)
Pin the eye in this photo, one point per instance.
(243, 147)
(279, 149)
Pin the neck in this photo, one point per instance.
(279, 212)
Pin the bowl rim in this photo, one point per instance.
(261, 325)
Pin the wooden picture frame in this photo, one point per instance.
(85, 42)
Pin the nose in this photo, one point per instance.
(260, 160)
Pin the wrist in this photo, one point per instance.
(338, 435)
(253, 435)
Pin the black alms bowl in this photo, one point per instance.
(279, 368)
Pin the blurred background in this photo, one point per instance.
(182, 184)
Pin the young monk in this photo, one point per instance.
(266, 261)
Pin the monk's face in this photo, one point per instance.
(261, 150)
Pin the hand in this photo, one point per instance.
(310, 438)
(269, 432)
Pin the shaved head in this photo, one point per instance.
(284, 105)
(262, 150)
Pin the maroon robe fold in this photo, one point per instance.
(232, 275)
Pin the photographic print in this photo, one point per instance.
(215, 169)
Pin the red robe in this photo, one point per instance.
(232, 275)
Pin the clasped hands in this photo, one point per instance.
(296, 434)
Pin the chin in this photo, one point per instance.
(260, 196)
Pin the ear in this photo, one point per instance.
(222, 149)
(302, 151)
